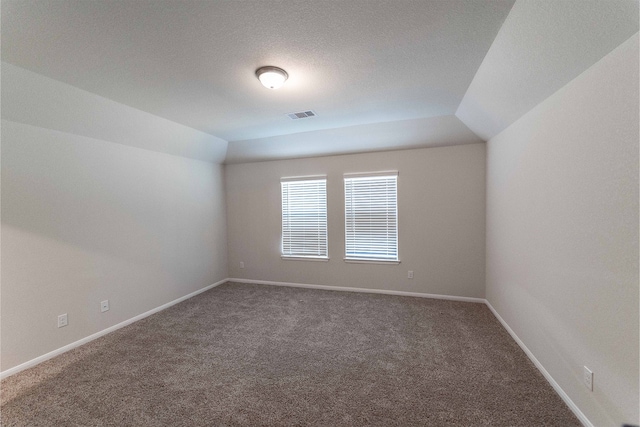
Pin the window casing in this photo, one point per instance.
(304, 218)
(371, 217)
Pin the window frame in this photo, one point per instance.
(373, 259)
(292, 256)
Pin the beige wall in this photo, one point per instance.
(84, 220)
(562, 234)
(441, 202)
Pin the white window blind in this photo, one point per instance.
(304, 218)
(371, 217)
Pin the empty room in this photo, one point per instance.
(319, 213)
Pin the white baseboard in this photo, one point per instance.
(364, 290)
(54, 353)
(574, 408)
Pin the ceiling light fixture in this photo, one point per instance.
(271, 77)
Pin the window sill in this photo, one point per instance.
(370, 261)
(304, 258)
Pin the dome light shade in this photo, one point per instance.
(271, 77)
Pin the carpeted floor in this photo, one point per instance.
(255, 355)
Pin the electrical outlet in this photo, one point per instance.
(410, 274)
(241, 264)
(104, 306)
(588, 378)
(63, 320)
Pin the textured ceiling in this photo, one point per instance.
(542, 46)
(380, 74)
(193, 62)
(36, 100)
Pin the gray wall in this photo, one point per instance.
(562, 234)
(441, 202)
(90, 213)
(85, 219)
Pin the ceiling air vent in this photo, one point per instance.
(301, 115)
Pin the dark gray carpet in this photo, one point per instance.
(254, 355)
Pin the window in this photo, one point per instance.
(304, 218)
(371, 217)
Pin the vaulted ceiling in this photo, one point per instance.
(380, 74)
